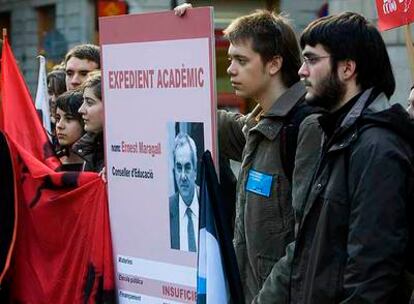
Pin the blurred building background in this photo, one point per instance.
(51, 27)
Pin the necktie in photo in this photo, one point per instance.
(190, 231)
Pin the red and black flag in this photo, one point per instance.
(19, 119)
(55, 244)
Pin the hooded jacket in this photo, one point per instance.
(353, 220)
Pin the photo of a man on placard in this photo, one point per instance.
(183, 204)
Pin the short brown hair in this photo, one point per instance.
(89, 52)
(94, 82)
(56, 82)
(271, 35)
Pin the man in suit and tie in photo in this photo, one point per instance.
(184, 203)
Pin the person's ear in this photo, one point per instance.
(346, 69)
(275, 65)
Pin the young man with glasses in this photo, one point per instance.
(354, 228)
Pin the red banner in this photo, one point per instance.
(54, 226)
(56, 243)
(394, 13)
(18, 116)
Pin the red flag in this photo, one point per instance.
(60, 235)
(394, 13)
(19, 117)
(55, 243)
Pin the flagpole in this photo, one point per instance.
(410, 49)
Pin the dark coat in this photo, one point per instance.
(90, 148)
(353, 221)
(174, 221)
(174, 203)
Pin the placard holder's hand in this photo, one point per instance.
(102, 174)
(181, 9)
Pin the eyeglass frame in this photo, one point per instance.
(313, 60)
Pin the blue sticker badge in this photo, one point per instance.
(259, 183)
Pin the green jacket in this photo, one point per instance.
(276, 287)
(263, 225)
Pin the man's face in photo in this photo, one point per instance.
(323, 86)
(185, 173)
(248, 74)
(77, 70)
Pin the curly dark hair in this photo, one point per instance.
(70, 102)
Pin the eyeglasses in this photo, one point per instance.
(309, 61)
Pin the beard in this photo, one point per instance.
(328, 93)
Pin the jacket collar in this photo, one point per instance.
(88, 143)
(356, 110)
(280, 108)
(347, 132)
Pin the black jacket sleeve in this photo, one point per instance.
(230, 134)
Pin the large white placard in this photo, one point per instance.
(157, 86)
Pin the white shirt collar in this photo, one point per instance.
(193, 206)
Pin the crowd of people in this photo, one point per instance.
(76, 109)
(323, 208)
